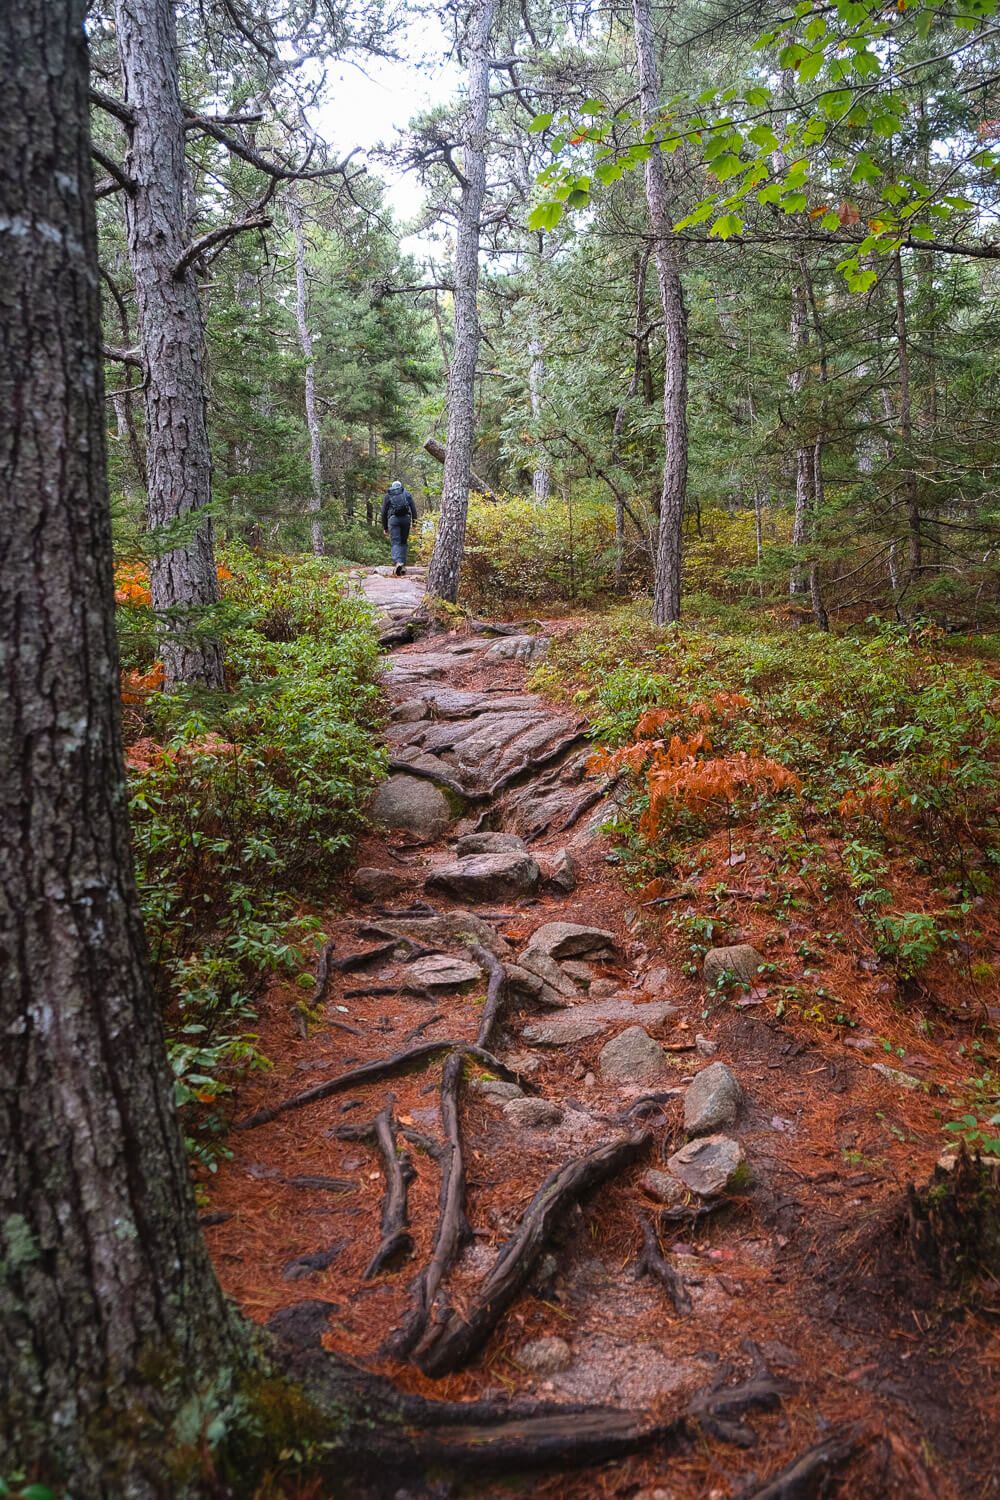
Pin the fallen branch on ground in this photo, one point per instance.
(803, 1477)
(496, 993)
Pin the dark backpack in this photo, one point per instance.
(399, 503)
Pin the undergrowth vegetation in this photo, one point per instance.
(245, 805)
(852, 780)
(521, 555)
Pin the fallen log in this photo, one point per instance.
(383, 1067)
(462, 1334)
(437, 450)
(396, 1238)
(453, 1227)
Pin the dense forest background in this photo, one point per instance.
(840, 436)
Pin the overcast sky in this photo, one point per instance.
(369, 108)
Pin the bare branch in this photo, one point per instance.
(123, 356)
(119, 177)
(218, 236)
(272, 169)
(113, 106)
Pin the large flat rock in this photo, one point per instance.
(413, 805)
(582, 1021)
(476, 742)
(486, 877)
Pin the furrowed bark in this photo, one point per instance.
(449, 545)
(667, 579)
(110, 1314)
(178, 460)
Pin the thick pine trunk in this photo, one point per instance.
(296, 219)
(110, 1314)
(179, 466)
(449, 545)
(667, 580)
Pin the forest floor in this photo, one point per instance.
(783, 1323)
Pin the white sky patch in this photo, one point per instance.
(371, 105)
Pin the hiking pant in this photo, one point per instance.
(399, 534)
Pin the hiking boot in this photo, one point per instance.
(399, 570)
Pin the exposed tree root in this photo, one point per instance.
(804, 1477)
(399, 1173)
(453, 1226)
(496, 993)
(651, 1262)
(351, 963)
(717, 1411)
(462, 1335)
(389, 1431)
(382, 1067)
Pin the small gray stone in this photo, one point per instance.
(895, 1075)
(544, 1356)
(712, 1100)
(707, 1166)
(486, 877)
(664, 1188)
(546, 968)
(370, 884)
(533, 1113)
(741, 960)
(705, 1047)
(413, 805)
(560, 871)
(657, 979)
(578, 970)
(604, 989)
(411, 711)
(490, 843)
(563, 1031)
(632, 1057)
(441, 971)
(497, 1088)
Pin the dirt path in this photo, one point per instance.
(390, 1201)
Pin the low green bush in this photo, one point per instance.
(244, 808)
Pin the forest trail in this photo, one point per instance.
(767, 1347)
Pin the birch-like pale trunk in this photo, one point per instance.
(541, 484)
(667, 578)
(171, 340)
(444, 572)
(297, 221)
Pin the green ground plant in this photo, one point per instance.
(244, 808)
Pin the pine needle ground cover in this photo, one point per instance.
(245, 805)
(831, 800)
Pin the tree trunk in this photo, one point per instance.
(183, 576)
(804, 468)
(449, 545)
(295, 218)
(540, 480)
(110, 1314)
(909, 477)
(667, 580)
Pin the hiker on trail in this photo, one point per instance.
(398, 514)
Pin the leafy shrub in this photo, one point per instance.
(521, 553)
(244, 807)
